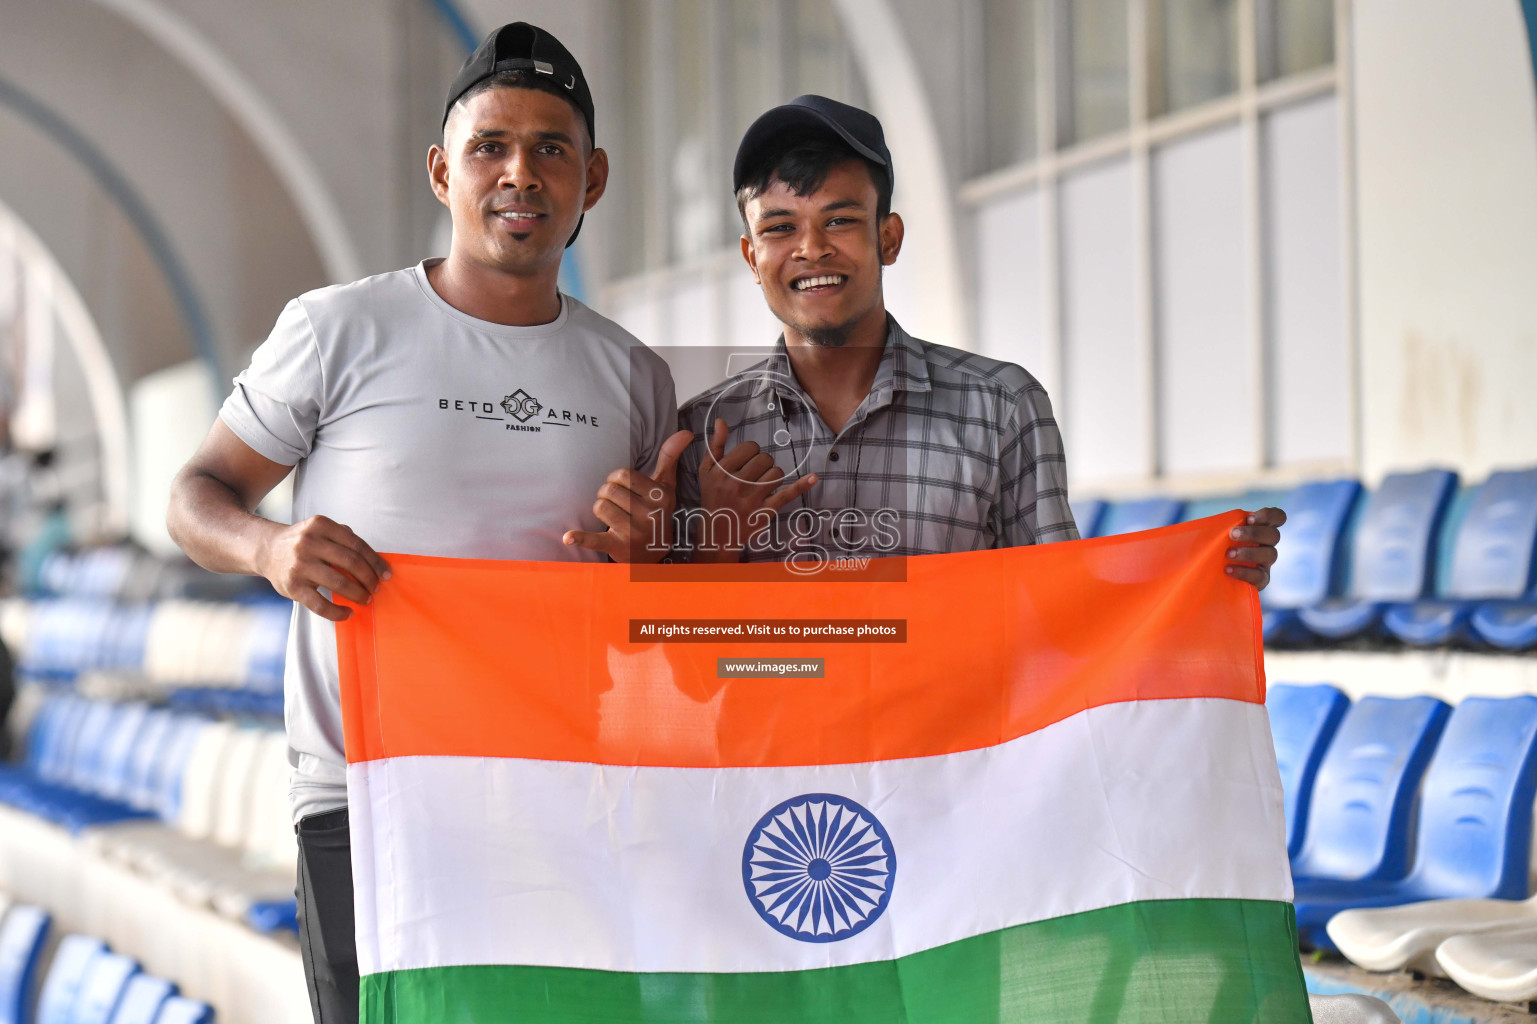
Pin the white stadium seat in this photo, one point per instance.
(232, 815)
(270, 844)
(202, 779)
(1351, 1009)
(1499, 964)
(142, 844)
(215, 658)
(1406, 937)
(217, 873)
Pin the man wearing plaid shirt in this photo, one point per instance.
(852, 438)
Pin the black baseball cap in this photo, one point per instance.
(524, 47)
(858, 128)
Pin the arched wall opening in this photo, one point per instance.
(60, 391)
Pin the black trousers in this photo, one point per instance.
(327, 938)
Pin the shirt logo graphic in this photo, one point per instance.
(526, 413)
(521, 406)
(819, 868)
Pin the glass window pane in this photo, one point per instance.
(818, 49)
(752, 81)
(1099, 78)
(1299, 36)
(632, 157)
(1011, 281)
(1205, 354)
(751, 78)
(695, 214)
(1008, 83)
(1198, 44)
(637, 311)
(1105, 395)
(690, 311)
(1305, 280)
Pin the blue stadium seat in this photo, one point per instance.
(273, 915)
(89, 741)
(1088, 513)
(1203, 508)
(1363, 794)
(267, 645)
(1474, 833)
(112, 768)
(55, 758)
(66, 978)
(1133, 516)
(22, 937)
(1393, 553)
(181, 1010)
(1311, 567)
(154, 736)
(103, 989)
(126, 638)
(47, 739)
(1492, 558)
(1282, 627)
(142, 1000)
(166, 782)
(71, 766)
(1511, 626)
(1303, 720)
(16, 778)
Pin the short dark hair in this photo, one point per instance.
(518, 78)
(803, 161)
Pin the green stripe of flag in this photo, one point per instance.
(1185, 961)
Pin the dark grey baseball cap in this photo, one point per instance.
(524, 47)
(859, 129)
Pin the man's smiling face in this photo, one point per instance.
(517, 171)
(818, 256)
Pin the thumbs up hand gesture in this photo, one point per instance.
(637, 509)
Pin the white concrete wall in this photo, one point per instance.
(1446, 149)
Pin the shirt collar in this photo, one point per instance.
(903, 366)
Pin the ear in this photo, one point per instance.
(892, 231)
(437, 172)
(751, 256)
(597, 178)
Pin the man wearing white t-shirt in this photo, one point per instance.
(462, 407)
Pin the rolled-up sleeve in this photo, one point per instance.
(1033, 507)
(276, 401)
(654, 407)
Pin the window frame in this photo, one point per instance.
(663, 272)
(1253, 100)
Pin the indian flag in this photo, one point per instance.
(1052, 796)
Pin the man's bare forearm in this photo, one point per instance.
(211, 523)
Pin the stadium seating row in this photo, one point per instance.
(1400, 800)
(1419, 559)
(167, 833)
(82, 981)
(133, 576)
(172, 643)
(127, 771)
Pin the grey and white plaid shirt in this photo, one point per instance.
(950, 451)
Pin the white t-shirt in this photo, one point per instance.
(430, 432)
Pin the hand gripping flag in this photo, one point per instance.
(1055, 800)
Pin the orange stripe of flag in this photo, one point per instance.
(535, 659)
